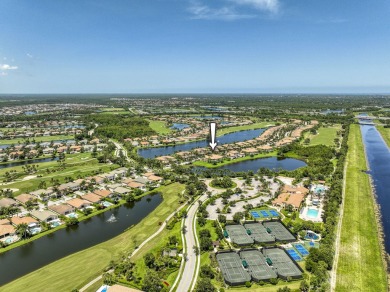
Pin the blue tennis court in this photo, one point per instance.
(255, 214)
(273, 213)
(301, 249)
(264, 213)
(294, 255)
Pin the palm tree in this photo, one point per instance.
(22, 229)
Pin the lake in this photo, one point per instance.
(378, 156)
(179, 127)
(225, 139)
(25, 162)
(29, 257)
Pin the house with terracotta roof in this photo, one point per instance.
(93, 198)
(24, 198)
(79, 203)
(30, 221)
(62, 209)
(104, 193)
(286, 199)
(7, 202)
(7, 231)
(136, 185)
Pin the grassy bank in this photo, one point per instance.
(36, 139)
(325, 136)
(232, 161)
(160, 127)
(76, 270)
(228, 130)
(360, 266)
(385, 132)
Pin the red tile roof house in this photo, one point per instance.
(24, 198)
(30, 221)
(104, 193)
(8, 202)
(7, 230)
(93, 198)
(136, 185)
(62, 209)
(78, 203)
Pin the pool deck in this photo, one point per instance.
(303, 214)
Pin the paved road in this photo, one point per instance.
(191, 267)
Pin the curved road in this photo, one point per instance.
(191, 267)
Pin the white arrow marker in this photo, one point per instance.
(213, 130)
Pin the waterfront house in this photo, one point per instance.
(136, 185)
(44, 215)
(79, 203)
(7, 231)
(31, 222)
(103, 193)
(121, 191)
(62, 209)
(93, 198)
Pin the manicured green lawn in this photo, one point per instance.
(36, 139)
(325, 136)
(360, 266)
(155, 246)
(76, 270)
(242, 128)
(160, 127)
(227, 161)
(385, 132)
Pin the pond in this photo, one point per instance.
(225, 139)
(25, 162)
(177, 126)
(29, 257)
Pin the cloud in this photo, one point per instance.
(264, 5)
(29, 55)
(5, 67)
(202, 11)
(3, 73)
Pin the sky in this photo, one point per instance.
(195, 46)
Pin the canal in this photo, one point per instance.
(224, 139)
(378, 157)
(38, 253)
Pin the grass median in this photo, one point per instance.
(360, 265)
(78, 269)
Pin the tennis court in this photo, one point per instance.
(301, 249)
(232, 269)
(280, 232)
(264, 214)
(257, 265)
(294, 255)
(238, 235)
(259, 233)
(282, 263)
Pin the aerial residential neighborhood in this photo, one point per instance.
(194, 146)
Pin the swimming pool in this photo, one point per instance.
(106, 204)
(55, 224)
(312, 213)
(9, 240)
(72, 215)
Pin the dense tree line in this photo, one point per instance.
(320, 260)
(120, 126)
